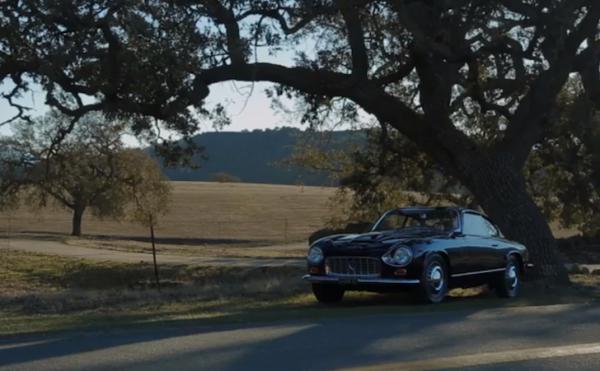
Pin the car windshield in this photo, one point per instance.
(415, 221)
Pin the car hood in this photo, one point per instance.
(375, 242)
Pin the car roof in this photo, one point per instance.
(429, 208)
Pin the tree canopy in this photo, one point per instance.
(424, 68)
(562, 171)
(90, 169)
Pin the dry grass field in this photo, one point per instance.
(204, 213)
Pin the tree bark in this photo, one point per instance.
(77, 217)
(500, 189)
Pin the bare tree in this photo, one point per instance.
(150, 195)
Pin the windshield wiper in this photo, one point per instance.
(419, 230)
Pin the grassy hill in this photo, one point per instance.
(256, 156)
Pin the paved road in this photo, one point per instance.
(552, 337)
(68, 250)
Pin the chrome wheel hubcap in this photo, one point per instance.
(512, 277)
(436, 278)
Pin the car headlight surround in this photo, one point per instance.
(315, 255)
(398, 257)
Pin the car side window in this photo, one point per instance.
(493, 231)
(393, 221)
(476, 225)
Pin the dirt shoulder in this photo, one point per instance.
(93, 250)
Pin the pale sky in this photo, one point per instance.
(249, 108)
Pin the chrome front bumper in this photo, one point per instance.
(359, 280)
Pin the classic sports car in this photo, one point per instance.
(424, 248)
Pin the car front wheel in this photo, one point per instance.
(434, 279)
(327, 293)
(509, 284)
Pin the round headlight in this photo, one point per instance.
(315, 255)
(402, 256)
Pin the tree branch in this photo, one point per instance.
(441, 139)
(397, 75)
(587, 65)
(57, 195)
(276, 15)
(529, 121)
(225, 16)
(356, 37)
(311, 81)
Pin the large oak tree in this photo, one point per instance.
(423, 67)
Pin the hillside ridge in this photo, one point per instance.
(257, 156)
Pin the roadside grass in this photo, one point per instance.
(40, 293)
(256, 249)
(245, 310)
(24, 272)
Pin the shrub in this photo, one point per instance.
(223, 177)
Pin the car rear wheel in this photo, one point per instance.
(328, 293)
(434, 279)
(509, 284)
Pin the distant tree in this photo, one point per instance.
(12, 174)
(224, 177)
(79, 174)
(87, 171)
(149, 191)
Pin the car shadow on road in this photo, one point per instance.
(393, 319)
(341, 343)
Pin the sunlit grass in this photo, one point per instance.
(48, 293)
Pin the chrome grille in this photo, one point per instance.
(353, 266)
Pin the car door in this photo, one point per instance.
(478, 246)
(496, 245)
(459, 249)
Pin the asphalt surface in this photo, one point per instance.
(551, 337)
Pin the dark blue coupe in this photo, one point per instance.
(424, 248)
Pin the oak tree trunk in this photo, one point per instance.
(77, 217)
(501, 191)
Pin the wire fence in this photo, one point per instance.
(8, 229)
(223, 227)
